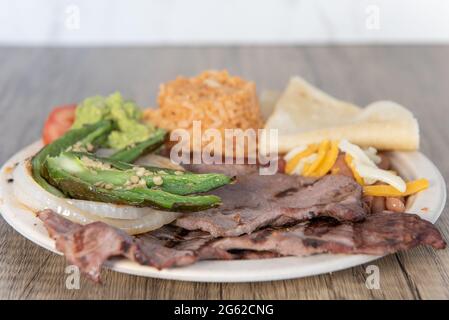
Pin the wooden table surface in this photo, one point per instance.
(33, 80)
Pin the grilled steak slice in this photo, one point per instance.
(256, 201)
(172, 246)
(378, 234)
(90, 245)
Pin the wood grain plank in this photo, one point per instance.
(33, 80)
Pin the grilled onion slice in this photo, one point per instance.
(133, 220)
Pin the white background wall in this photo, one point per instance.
(103, 22)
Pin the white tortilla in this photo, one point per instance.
(305, 114)
(267, 101)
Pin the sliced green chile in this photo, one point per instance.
(131, 153)
(77, 188)
(173, 182)
(56, 147)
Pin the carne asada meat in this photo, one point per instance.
(90, 245)
(378, 234)
(256, 201)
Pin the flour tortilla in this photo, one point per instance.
(267, 102)
(305, 114)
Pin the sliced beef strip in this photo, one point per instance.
(90, 245)
(172, 246)
(378, 234)
(256, 201)
(194, 244)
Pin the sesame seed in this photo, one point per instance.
(134, 179)
(157, 180)
(108, 186)
(140, 172)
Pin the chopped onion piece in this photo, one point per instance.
(300, 166)
(371, 152)
(293, 152)
(356, 153)
(376, 174)
(367, 168)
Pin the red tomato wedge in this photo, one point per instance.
(58, 122)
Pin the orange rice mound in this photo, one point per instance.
(215, 98)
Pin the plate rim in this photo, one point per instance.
(197, 272)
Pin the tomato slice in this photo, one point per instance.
(58, 122)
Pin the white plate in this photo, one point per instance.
(428, 204)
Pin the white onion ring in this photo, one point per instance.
(111, 210)
(32, 195)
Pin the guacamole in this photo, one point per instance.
(125, 114)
